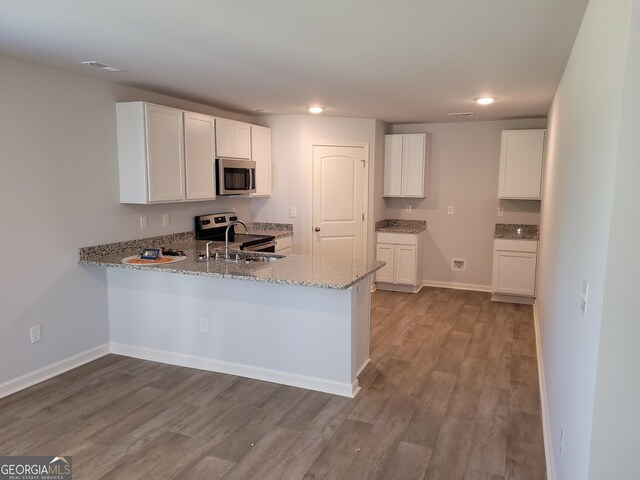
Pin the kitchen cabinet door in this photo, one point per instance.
(225, 141)
(392, 166)
(165, 153)
(405, 265)
(200, 149)
(404, 165)
(514, 267)
(385, 253)
(514, 273)
(413, 162)
(233, 139)
(521, 158)
(242, 140)
(261, 154)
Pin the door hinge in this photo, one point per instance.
(364, 163)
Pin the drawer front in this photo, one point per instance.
(397, 238)
(515, 245)
(283, 243)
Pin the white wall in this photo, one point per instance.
(58, 192)
(578, 200)
(292, 137)
(464, 165)
(616, 420)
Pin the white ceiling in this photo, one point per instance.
(401, 62)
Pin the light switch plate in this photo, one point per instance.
(293, 212)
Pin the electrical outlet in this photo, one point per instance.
(165, 219)
(36, 334)
(407, 209)
(459, 264)
(500, 211)
(562, 441)
(143, 223)
(293, 212)
(450, 210)
(584, 298)
(204, 325)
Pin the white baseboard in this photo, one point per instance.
(45, 373)
(257, 373)
(363, 366)
(392, 287)
(546, 423)
(457, 286)
(522, 300)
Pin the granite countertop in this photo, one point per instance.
(517, 231)
(394, 225)
(303, 270)
(278, 230)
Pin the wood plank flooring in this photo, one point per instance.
(451, 393)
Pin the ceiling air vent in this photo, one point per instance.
(104, 66)
(261, 110)
(461, 114)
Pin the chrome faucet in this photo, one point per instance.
(207, 249)
(226, 237)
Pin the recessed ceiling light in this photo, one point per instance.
(315, 109)
(103, 66)
(485, 100)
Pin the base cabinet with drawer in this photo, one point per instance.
(514, 270)
(402, 253)
(283, 245)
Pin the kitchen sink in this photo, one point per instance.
(253, 258)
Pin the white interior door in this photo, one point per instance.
(338, 201)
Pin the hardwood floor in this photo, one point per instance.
(451, 393)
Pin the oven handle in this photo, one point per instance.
(260, 246)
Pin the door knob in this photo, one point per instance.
(317, 229)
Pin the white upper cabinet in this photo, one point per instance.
(200, 152)
(521, 156)
(233, 139)
(150, 153)
(405, 165)
(261, 154)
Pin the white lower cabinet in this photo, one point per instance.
(283, 245)
(514, 269)
(402, 254)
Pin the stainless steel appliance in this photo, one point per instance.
(212, 227)
(235, 177)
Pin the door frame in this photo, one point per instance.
(365, 190)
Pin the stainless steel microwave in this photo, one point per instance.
(235, 177)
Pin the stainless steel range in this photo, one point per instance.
(213, 227)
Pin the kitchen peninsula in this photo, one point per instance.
(297, 320)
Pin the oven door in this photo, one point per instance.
(269, 247)
(235, 177)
